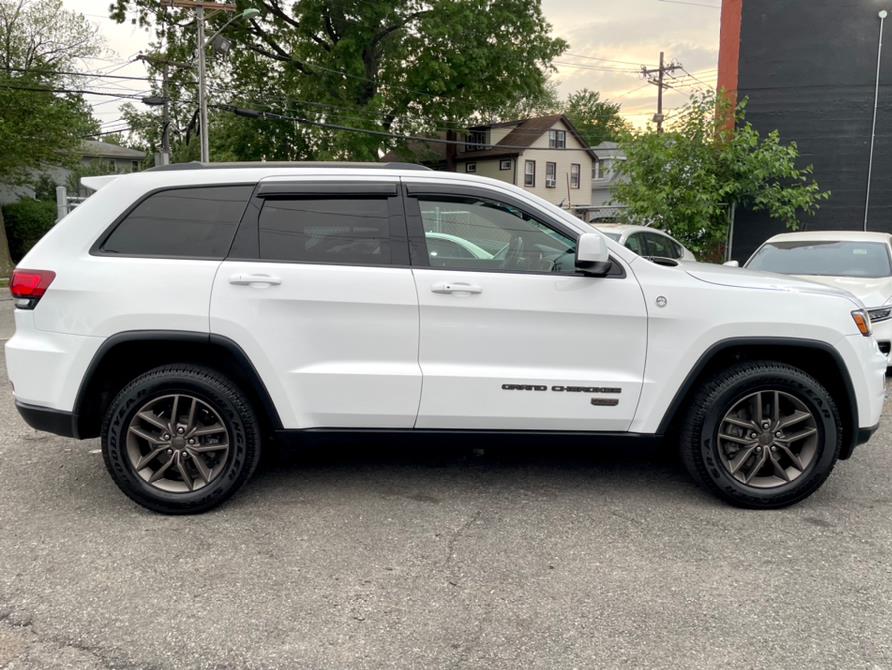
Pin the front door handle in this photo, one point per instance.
(254, 279)
(456, 287)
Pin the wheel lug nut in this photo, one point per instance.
(764, 424)
(166, 436)
(169, 452)
(778, 434)
(181, 430)
(753, 434)
(191, 440)
(185, 454)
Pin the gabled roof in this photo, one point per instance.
(608, 150)
(97, 149)
(522, 136)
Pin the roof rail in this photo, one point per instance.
(197, 165)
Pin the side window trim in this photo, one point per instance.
(246, 246)
(96, 249)
(413, 191)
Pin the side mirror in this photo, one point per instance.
(592, 257)
(731, 264)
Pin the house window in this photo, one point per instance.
(529, 173)
(550, 175)
(476, 140)
(597, 169)
(557, 139)
(470, 168)
(134, 166)
(574, 175)
(505, 164)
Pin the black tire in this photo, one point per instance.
(219, 394)
(701, 449)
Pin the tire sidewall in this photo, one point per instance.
(826, 419)
(114, 443)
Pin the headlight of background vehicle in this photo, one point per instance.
(878, 314)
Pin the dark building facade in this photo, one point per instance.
(808, 68)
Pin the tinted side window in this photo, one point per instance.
(186, 222)
(326, 230)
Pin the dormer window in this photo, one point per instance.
(476, 140)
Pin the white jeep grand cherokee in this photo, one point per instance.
(188, 313)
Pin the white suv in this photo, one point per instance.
(187, 314)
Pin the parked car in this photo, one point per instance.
(189, 313)
(444, 245)
(859, 262)
(644, 241)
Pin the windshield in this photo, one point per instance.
(825, 258)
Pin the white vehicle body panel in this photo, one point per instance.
(361, 347)
(539, 330)
(337, 346)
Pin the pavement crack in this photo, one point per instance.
(456, 535)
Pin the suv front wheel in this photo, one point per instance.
(180, 439)
(762, 435)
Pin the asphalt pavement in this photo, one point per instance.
(374, 555)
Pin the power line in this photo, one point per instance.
(69, 90)
(95, 75)
(609, 60)
(693, 4)
(595, 67)
(257, 114)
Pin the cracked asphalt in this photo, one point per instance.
(375, 555)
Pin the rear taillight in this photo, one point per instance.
(28, 286)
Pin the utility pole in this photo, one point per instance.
(202, 87)
(201, 44)
(657, 78)
(165, 119)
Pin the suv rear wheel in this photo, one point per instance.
(180, 439)
(762, 435)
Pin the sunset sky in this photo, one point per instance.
(609, 41)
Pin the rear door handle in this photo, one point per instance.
(252, 279)
(456, 287)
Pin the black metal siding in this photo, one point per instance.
(808, 68)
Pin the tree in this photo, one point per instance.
(596, 120)
(38, 39)
(688, 180)
(407, 66)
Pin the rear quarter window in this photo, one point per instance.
(195, 222)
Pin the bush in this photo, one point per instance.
(26, 222)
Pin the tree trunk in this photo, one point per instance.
(6, 264)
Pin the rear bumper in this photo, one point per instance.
(49, 420)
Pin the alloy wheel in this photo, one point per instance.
(768, 439)
(178, 443)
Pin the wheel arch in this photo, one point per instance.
(126, 355)
(819, 359)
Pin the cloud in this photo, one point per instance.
(629, 32)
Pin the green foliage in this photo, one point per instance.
(45, 188)
(596, 120)
(38, 38)
(26, 222)
(686, 180)
(407, 66)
